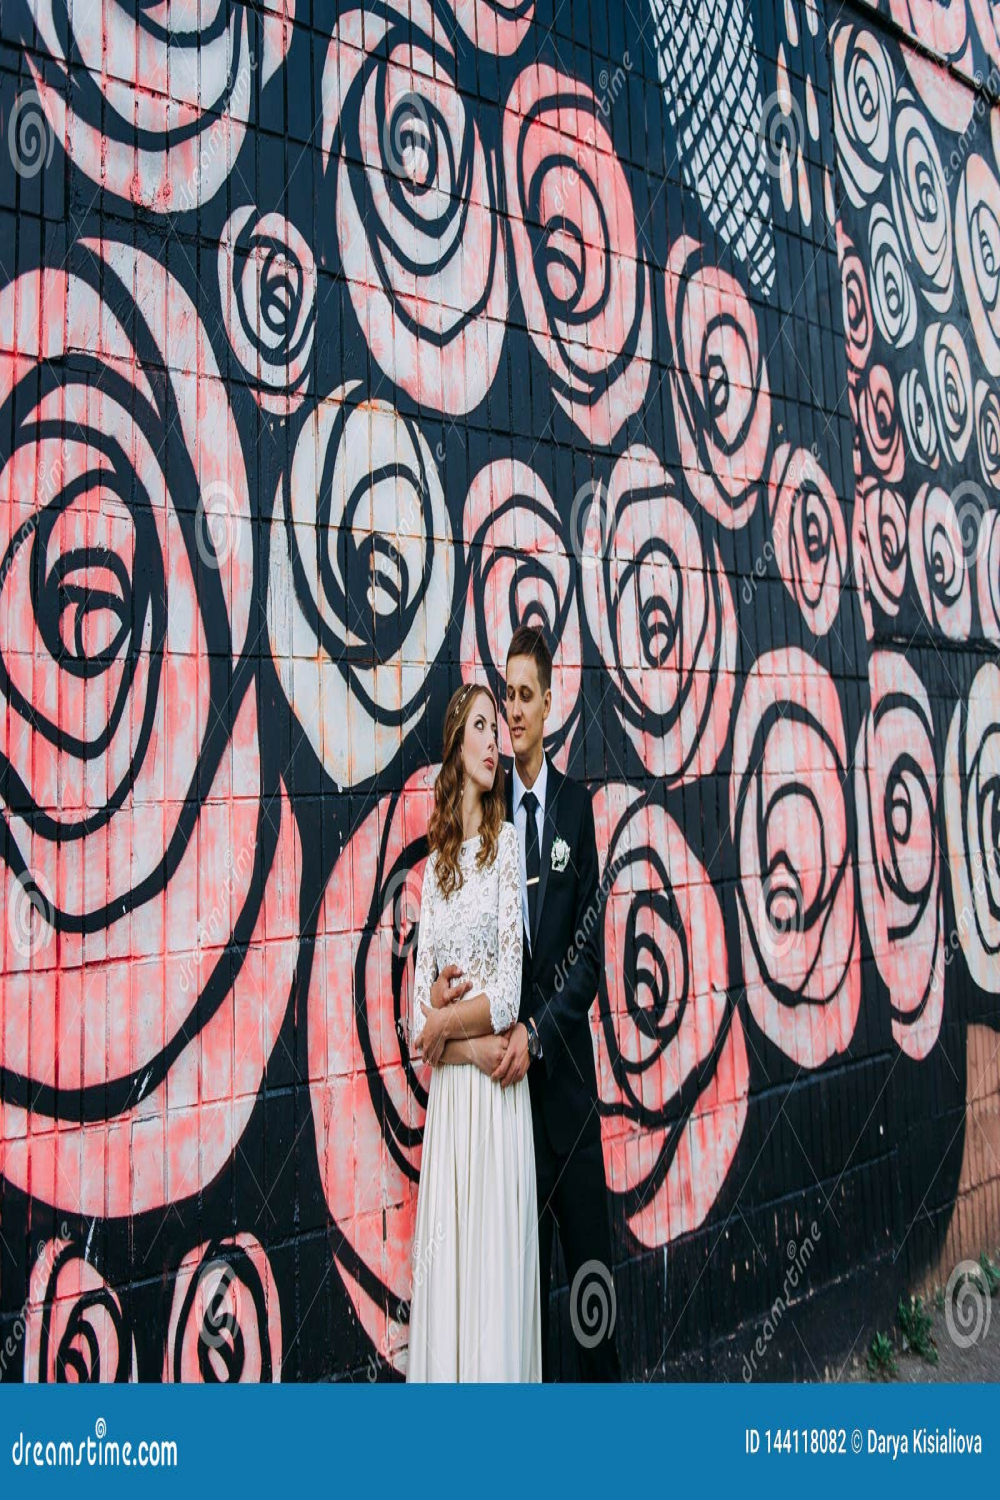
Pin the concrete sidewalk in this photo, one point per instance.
(979, 1362)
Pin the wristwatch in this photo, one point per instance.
(534, 1040)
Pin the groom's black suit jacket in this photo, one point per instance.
(559, 973)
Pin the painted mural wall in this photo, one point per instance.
(335, 341)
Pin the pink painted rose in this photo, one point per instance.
(586, 290)
(360, 582)
(941, 25)
(520, 572)
(879, 425)
(498, 26)
(972, 816)
(863, 86)
(661, 612)
(988, 575)
(987, 422)
(919, 421)
(140, 866)
(977, 248)
(938, 559)
(894, 302)
(267, 282)
(810, 539)
(921, 206)
(225, 1318)
(857, 303)
(368, 1094)
(420, 240)
(949, 377)
(672, 1066)
(74, 1329)
(895, 779)
(986, 14)
(721, 397)
(881, 528)
(795, 892)
(169, 91)
(862, 566)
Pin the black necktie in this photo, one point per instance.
(532, 856)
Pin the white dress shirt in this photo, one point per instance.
(521, 824)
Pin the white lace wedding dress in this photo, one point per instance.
(475, 1311)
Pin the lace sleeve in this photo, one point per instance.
(425, 970)
(504, 992)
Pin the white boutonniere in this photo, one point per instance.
(560, 854)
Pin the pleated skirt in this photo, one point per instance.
(475, 1310)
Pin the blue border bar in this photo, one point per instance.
(648, 1440)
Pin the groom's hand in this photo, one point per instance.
(516, 1059)
(449, 986)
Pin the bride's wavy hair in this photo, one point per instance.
(444, 831)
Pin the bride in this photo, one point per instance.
(475, 1313)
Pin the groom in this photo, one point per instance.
(551, 1042)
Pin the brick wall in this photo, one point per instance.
(334, 342)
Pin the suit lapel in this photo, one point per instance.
(555, 781)
(510, 819)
